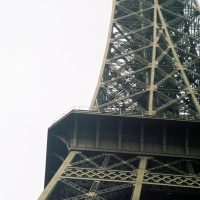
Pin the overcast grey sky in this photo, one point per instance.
(50, 58)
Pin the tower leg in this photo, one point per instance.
(55, 179)
(138, 185)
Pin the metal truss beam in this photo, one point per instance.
(130, 177)
(103, 182)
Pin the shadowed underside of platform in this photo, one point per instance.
(96, 156)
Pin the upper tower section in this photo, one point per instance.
(152, 60)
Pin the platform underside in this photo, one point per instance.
(96, 156)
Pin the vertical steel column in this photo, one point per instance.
(56, 177)
(141, 171)
(120, 135)
(75, 132)
(186, 141)
(142, 137)
(164, 138)
(154, 62)
(97, 133)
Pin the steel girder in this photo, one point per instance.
(109, 176)
(152, 60)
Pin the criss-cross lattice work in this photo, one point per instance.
(92, 174)
(108, 176)
(181, 167)
(172, 180)
(152, 60)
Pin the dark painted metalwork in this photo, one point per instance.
(141, 137)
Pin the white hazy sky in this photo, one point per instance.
(50, 58)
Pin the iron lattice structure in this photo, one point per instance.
(108, 176)
(151, 64)
(151, 68)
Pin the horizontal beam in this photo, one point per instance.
(130, 177)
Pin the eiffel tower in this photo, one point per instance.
(140, 139)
